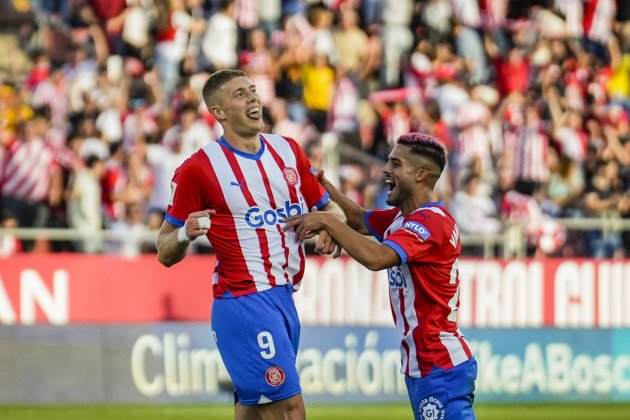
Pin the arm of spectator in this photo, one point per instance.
(615, 52)
(100, 43)
(555, 108)
(596, 204)
(152, 80)
(615, 145)
(115, 24)
(56, 187)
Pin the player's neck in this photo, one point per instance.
(415, 201)
(247, 144)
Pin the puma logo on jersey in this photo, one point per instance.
(454, 236)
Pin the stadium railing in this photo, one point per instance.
(511, 242)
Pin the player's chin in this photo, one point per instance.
(255, 124)
(392, 199)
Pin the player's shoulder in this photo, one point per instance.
(432, 218)
(277, 140)
(391, 212)
(433, 211)
(194, 162)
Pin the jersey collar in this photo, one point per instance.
(429, 204)
(432, 204)
(253, 156)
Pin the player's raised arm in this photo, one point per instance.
(355, 214)
(371, 254)
(172, 242)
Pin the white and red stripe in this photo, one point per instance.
(494, 13)
(428, 338)
(251, 258)
(247, 14)
(573, 11)
(284, 156)
(528, 148)
(27, 170)
(598, 19)
(467, 12)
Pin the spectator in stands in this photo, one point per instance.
(475, 211)
(221, 37)
(31, 178)
(318, 79)
(118, 77)
(605, 196)
(9, 243)
(84, 203)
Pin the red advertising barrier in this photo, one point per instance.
(63, 289)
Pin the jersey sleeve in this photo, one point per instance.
(417, 240)
(187, 194)
(314, 193)
(377, 221)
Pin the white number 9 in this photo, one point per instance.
(265, 342)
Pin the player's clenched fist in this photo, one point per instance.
(197, 224)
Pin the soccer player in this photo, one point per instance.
(239, 191)
(419, 246)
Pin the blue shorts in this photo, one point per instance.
(257, 336)
(444, 394)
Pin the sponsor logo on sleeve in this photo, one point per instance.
(417, 229)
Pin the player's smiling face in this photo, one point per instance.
(242, 107)
(400, 175)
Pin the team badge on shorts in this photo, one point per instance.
(275, 376)
(290, 175)
(431, 409)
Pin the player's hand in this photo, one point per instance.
(307, 225)
(326, 245)
(198, 223)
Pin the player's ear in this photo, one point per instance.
(421, 174)
(217, 112)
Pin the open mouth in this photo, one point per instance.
(255, 113)
(390, 183)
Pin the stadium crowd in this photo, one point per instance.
(530, 98)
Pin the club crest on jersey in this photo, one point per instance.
(290, 175)
(431, 409)
(417, 229)
(275, 376)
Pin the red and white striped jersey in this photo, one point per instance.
(26, 170)
(424, 288)
(528, 149)
(598, 19)
(252, 194)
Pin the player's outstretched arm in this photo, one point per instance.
(172, 242)
(354, 212)
(367, 252)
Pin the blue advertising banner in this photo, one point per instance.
(171, 363)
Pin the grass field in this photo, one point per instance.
(317, 412)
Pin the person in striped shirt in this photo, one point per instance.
(419, 246)
(239, 192)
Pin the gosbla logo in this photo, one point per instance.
(256, 217)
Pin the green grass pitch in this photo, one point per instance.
(316, 412)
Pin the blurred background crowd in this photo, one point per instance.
(100, 102)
